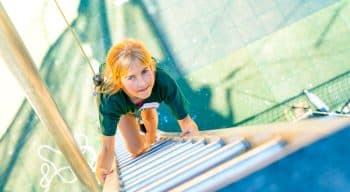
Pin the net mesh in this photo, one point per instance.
(335, 93)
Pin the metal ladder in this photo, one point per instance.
(203, 163)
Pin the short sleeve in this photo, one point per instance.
(109, 115)
(173, 96)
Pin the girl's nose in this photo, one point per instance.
(141, 83)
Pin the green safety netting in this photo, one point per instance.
(335, 93)
(30, 160)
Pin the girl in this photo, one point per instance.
(134, 85)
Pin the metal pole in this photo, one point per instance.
(20, 63)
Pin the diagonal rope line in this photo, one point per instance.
(75, 37)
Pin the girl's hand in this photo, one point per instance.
(105, 160)
(190, 131)
(101, 174)
(188, 127)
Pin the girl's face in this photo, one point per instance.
(138, 82)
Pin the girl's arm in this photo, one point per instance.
(105, 159)
(150, 120)
(188, 126)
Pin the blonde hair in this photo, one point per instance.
(119, 59)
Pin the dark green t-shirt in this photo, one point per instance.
(111, 107)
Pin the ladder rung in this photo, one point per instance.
(169, 168)
(187, 172)
(154, 165)
(129, 162)
(232, 170)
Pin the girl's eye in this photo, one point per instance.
(145, 71)
(130, 78)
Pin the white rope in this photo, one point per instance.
(75, 37)
(50, 171)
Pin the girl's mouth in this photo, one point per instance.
(143, 90)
